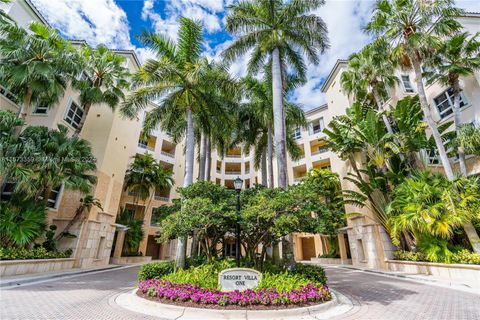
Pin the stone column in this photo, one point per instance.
(342, 247)
(119, 244)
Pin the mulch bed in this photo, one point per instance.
(191, 304)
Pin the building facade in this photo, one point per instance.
(115, 141)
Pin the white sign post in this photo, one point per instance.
(239, 279)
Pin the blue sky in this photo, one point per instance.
(116, 23)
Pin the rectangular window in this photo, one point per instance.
(407, 85)
(444, 102)
(74, 115)
(40, 109)
(297, 134)
(317, 126)
(54, 197)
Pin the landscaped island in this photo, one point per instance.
(197, 286)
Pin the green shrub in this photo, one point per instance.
(155, 270)
(311, 272)
(36, 253)
(205, 276)
(283, 281)
(466, 257)
(463, 256)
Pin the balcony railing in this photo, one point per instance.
(219, 170)
(320, 150)
(233, 155)
(247, 171)
(168, 154)
(233, 172)
(298, 179)
(162, 198)
(144, 146)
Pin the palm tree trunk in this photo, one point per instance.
(25, 107)
(188, 179)
(469, 229)
(270, 155)
(208, 159)
(279, 119)
(86, 110)
(428, 117)
(202, 158)
(378, 101)
(264, 168)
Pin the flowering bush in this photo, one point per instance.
(35, 253)
(186, 292)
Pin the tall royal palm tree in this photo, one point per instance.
(371, 71)
(415, 29)
(178, 77)
(283, 32)
(458, 56)
(35, 65)
(103, 81)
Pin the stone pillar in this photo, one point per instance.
(342, 247)
(119, 244)
(318, 245)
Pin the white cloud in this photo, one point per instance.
(96, 21)
(208, 12)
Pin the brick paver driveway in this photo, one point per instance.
(90, 296)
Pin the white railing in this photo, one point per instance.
(232, 172)
(233, 156)
(168, 154)
(320, 150)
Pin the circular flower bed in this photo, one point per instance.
(187, 293)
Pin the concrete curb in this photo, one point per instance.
(130, 301)
(13, 283)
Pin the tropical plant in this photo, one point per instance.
(371, 71)
(4, 18)
(256, 124)
(458, 56)
(104, 78)
(9, 146)
(429, 204)
(21, 222)
(135, 233)
(414, 29)
(55, 159)
(468, 138)
(145, 175)
(35, 65)
(180, 77)
(280, 32)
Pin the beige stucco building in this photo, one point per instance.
(116, 140)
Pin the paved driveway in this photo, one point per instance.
(90, 296)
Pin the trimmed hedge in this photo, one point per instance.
(462, 257)
(312, 272)
(36, 253)
(155, 270)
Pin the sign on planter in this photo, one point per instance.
(239, 279)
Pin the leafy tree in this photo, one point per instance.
(282, 32)
(456, 57)
(134, 234)
(105, 79)
(36, 65)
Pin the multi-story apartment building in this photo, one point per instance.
(116, 140)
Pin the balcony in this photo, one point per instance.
(320, 150)
(160, 198)
(233, 172)
(145, 146)
(167, 154)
